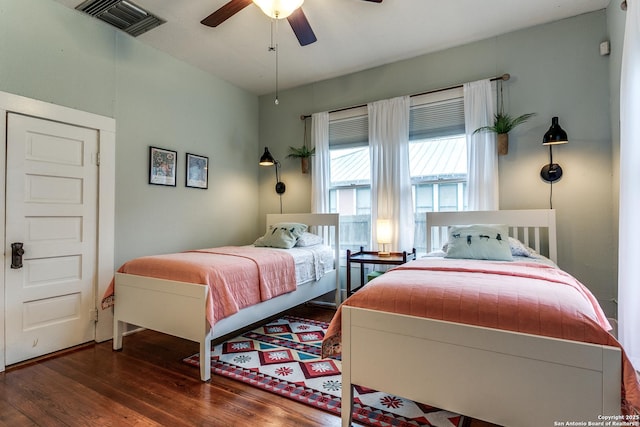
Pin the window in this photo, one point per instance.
(438, 165)
(439, 180)
(438, 157)
(350, 195)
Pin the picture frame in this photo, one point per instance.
(162, 166)
(197, 168)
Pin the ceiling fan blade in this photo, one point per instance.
(374, 1)
(225, 12)
(301, 27)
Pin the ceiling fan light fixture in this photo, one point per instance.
(278, 9)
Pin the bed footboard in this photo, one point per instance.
(174, 308)
(179, 309)
(503, 377)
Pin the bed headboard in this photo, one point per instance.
(327, 225)
(536, 228)
(317, 219)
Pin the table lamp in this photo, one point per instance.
(383, 233)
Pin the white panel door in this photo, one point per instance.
(51, 208)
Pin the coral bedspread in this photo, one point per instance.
(518, 296)
(237, 276)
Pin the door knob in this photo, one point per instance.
(16, 254)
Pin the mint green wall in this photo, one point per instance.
(51, 53)
(615, 26)
(48, 53)
(556, 70)
(166, 103)
(55, 54)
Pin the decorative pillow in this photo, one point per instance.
(520, 249)
(282, 235)
(479, 241)
(308, 239)
(437, 253)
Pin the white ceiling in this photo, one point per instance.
(353, 35)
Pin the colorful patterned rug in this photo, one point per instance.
(283, 357)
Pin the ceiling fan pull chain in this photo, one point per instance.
(276, 101)
(272, 44)
(274, 48)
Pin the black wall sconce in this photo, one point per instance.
(268, 160)
(555, 135)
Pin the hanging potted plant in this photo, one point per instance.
(503, 123)
(303, 153)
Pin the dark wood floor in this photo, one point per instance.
(145, 384)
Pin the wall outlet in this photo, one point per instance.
(605, 48)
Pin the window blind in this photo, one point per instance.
(349, 132)
(429, 120)
(437, 119)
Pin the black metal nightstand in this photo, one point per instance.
(371, 257)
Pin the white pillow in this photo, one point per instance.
(282, 235)
(520, 249)
(479, 241)
(308, 239)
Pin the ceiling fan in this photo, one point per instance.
(295, 15)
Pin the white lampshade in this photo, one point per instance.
(278, 9)
(383, 231)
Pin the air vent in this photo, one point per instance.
(122, 14)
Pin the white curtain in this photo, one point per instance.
(390, 175)
(320, 172)
(629, 226)
(482, 155)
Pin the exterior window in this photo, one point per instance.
(423, 198)
(350, 195)
(439, 177)
(448, 197)
(438, 166)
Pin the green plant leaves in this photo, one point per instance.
(504, 123)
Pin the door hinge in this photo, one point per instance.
(94, 314)
(98, 158)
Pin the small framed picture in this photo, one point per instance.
(162, 166)
(197, 171)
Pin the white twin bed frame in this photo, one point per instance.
(178, 308)
(507, 378)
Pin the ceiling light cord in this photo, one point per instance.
(274, 48)
(276, 100)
